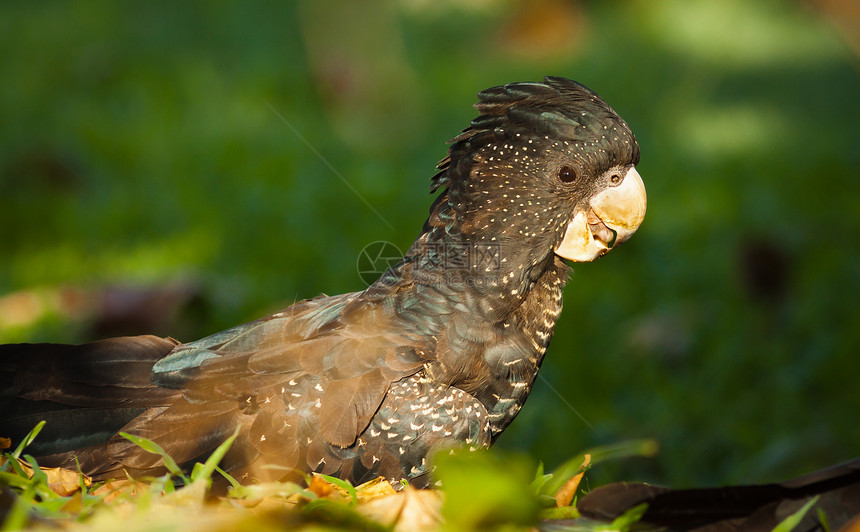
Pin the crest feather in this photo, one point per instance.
(557, 107)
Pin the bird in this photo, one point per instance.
(440, 352)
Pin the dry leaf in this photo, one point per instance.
(408, 510)
(114, 489)
(373, 489)
(564, 495)
(63, 482)
(191, 495)
(320, 487)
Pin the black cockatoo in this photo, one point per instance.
(442, 350)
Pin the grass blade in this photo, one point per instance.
(206, 470)
(28, 439)
(789, 523)
(350, 489)
(152, 447)
(617, 451)
(623, 522)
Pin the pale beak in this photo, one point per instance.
(613, 216)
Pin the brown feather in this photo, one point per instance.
(185, 431)
(348, 405)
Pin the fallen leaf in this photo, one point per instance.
(373, 489)
(320, 487)
(110, 491)
(63, 482)
(408, 510)
(564, 495)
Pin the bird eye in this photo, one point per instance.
(615, 179)
(567, 174)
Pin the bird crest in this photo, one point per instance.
(558, 108)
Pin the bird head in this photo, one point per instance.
(546, 167)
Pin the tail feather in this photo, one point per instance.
(85, 393)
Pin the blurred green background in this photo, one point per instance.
(176, 168)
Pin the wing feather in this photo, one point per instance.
(348, 405)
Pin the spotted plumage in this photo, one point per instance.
(442, 350)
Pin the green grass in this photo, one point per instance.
(481, 491)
